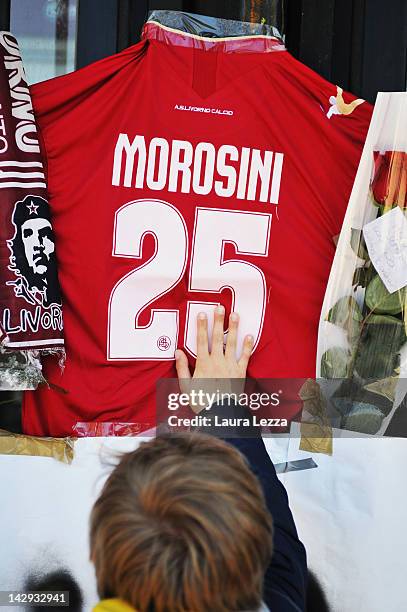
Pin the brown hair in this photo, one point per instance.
(182, 525)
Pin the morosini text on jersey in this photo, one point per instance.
(178, 165)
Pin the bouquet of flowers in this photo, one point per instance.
(366, 351)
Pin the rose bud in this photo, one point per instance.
(390, 179)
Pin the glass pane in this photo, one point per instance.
(272, 11)
(46, 33)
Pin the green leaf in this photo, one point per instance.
(371, 365)
(364, 418)
(357, 242)
(378, 350)
(345, 395)
(385, 388)
(380, 301)
(342, 404)
(346, 313)
(351, 392)
(362, 276)
(349, 387)
(344, 309)
(381, 393)
(386, 319)
(334, 363)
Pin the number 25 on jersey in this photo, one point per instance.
(209, 272)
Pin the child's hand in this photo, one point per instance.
(220, 363)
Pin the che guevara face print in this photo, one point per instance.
(32, 248)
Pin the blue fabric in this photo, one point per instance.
(285, 581)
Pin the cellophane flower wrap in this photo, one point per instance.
(362, 345)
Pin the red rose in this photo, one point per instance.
(390, 179)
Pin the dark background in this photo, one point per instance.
(360, 45)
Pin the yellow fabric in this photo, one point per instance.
(113, 605)
(61, 449)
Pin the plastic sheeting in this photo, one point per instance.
(211, 27)
(19, 370)
(108, 428)
(206, 33)
(363, 327)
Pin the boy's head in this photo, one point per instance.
(181, 524)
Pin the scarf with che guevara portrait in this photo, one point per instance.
(30, 298)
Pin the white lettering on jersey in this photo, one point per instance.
(244, 166)
(180, 149)
(229, 172)
(204, 109)
(260, 168)
(123, 146)
(202, 151)
(209, 272)
(178, 165)
(21, 106)
(277, 171)
(159, 182)
(127, 339)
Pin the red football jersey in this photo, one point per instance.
(186, 172)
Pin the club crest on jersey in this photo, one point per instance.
(32, 249)
(164, 343)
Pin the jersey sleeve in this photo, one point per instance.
(334, 126)
(54, 98)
